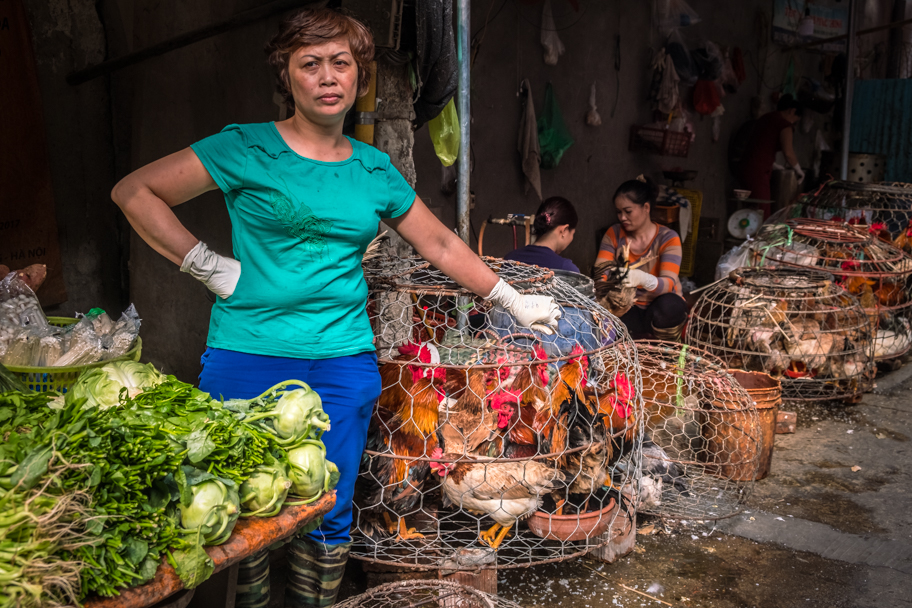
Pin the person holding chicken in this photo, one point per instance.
(304, 202)
(651, 258)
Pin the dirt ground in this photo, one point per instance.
(830, 526)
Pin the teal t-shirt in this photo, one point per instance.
(299, 229)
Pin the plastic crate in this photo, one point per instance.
(659, 141)
(60, 379)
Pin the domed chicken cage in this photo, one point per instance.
(884, 206)
(797, 325)
(702, 442)
(425, 593)
(871, 269)
(493, 445)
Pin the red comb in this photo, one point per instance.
(540, 353)
(437, 453)
(409, 349)
(502, 397)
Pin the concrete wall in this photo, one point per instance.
(68, 35)
(598, 162)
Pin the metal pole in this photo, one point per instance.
(463, 22)
(463, 108)
(849, 91)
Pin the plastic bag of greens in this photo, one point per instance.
(120, 338)
(444, 130)
(82, 345)
(553, 137)
(22, 348)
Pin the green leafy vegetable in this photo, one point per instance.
(101, 387)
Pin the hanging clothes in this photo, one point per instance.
(527, 144)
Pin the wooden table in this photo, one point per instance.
(250, 535)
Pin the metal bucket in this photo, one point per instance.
(866, 168)
(577, 281)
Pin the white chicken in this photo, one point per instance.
(505, 491)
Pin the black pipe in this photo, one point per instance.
(243, 18)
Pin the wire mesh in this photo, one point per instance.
(702, 440)
(425, 594)
(868, 267)
(886, 203)
(493, 445)
(796, 325)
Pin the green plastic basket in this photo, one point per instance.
(60, 379)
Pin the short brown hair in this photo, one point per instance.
(312, 26)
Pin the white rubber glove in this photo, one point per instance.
(798, 172)
(537, 312)
(640, 278)
(778, 167)
(218, 273)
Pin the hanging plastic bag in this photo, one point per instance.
(444, 130)
(672, 14)
(684, 65)
(553, 137)
(554, 48)
(706, 97)
(592, 116)
(709, 61)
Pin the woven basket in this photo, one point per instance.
(60, 379)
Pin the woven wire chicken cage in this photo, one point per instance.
(425, 593)
(702, 441)
(871, 269)
(887, 205)
(797, 325)
(493, 445)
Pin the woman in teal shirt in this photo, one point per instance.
(304, 202)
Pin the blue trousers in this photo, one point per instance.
(348, 387)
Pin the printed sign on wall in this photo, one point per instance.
(830, 19)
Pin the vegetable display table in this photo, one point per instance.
(250, 535)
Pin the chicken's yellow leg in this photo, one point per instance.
(406, 533)
(487, 537)
(391, 527)
(500, 536)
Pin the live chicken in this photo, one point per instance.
(409, 430)
(505, 491)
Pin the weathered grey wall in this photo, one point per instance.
(177, 99)
(598, 162)
(68, 35)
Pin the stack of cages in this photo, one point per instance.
(702, 440)
(493, 445)
(797, 325)
(862, 261)
(425, 592)
(885, 206)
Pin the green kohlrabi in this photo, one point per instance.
(264, 492)
(297, 415)
(209, 505)
(311, 474)
(101, 386)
